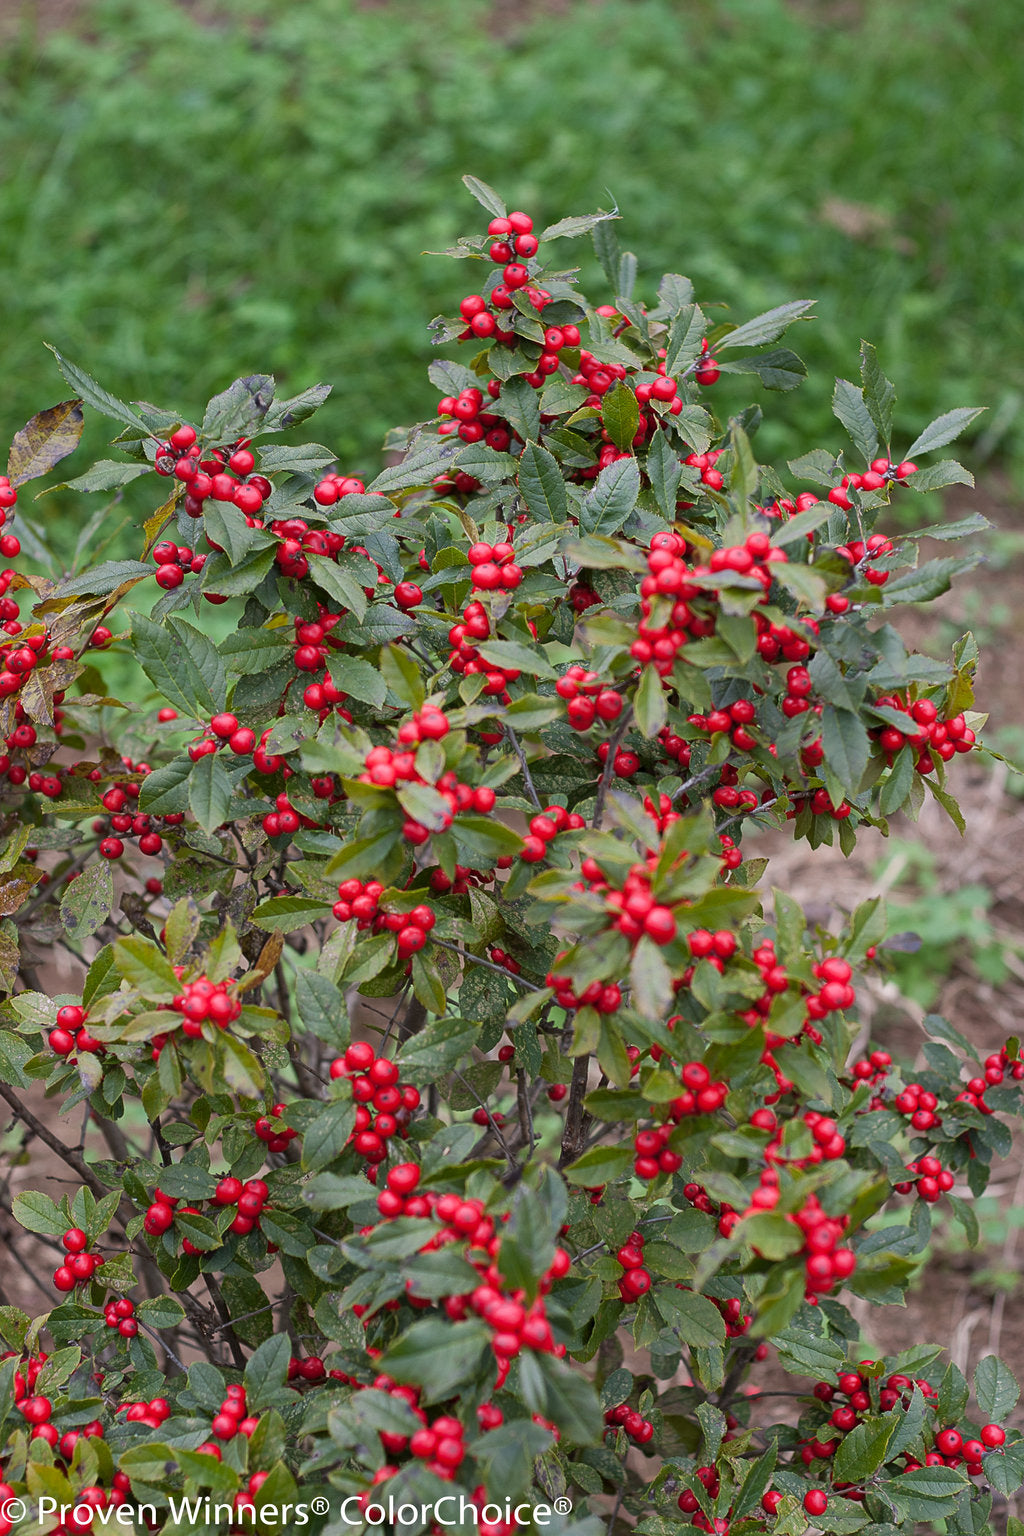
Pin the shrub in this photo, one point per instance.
(472, 1122)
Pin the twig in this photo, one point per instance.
(609, 767)
(526, 1130)
(524, 765)
(576, 1119)
(68, 1155)
(491, 965)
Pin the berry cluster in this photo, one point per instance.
(120, 1314)
(250, 1199)
(226, 475)
(927, 733)
(80, 1265)
(494, 567)
(203, 1000)
(71, 1034)
(360, 901)
(639, 1429)
(635, 1280)
(384, 1105)
(272, 1130)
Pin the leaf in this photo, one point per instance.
(897, 786)
(438, 1356)
(664, 471)
(327, 1136)
(802, 524)
(684, 339)
(929, 580)
(88, 900)
(674, 292)
(106, 475)
(935, 476)
(288, 413)
(766, 327)
(102, 579)
(693, 1318)
(926, 1493)
(300, 458)
(209, 792)
(601, 1165)
(402, 675)
(863, 1450)
(780, 369)
(558, 1393)
(266, 1372)
(611, 497)
(848, 405)
(42, 442)
(339, 583)
(651, 980)
(94, 394)
(577, 224)
(620, 415)
(238, 411)
(519, 405)
(879, 394)
(847, 746)
(512, 655)
(485, 196)
(943, 429)
(182, 664)
(145, 966)
(165, 791)
(541, 484)
(650, 707)
(36, 1212)
(284, 914)
(995, 1388)
(359, 679)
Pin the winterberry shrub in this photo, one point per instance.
(464, 1112)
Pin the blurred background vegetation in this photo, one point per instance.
(192, 192)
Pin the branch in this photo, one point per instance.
(609, 767)
(524, 765)
(69, 1155)
(577, 1120)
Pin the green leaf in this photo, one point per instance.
(402, 675)
(512, 655)
(897, 786)
(36, 1212)
(359, 679)
(209, 792)
(181, 663)
(94, 394)
(553, 1389)
(106, 475)
(288, 413)
(611, 497)
(267, 1371)
(238, 411)
(103, 579)
(321, 1008)
(165, 791)
(327, 1136)
(848, 405)
(943, 430)
(577, 224)
(766, 327)
(692, 1317)
(684, 339)
(847, 746)
(340, 583)
(863, 1450)
(284, 914)
(519, 405)
(87, 901)
(651, 980)
(929, 580)
(541, 484)
(879, 395)
(486, 196)
(798, 527)
(601, 1165)
(145, 966)
(650, 707)
(439, 1356)
(935, 476)
(995, 1388)
(664, 471)
(926, 1493)
(620, 415)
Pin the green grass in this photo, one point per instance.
(182, 202)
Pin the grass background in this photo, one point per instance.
(192, 193)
